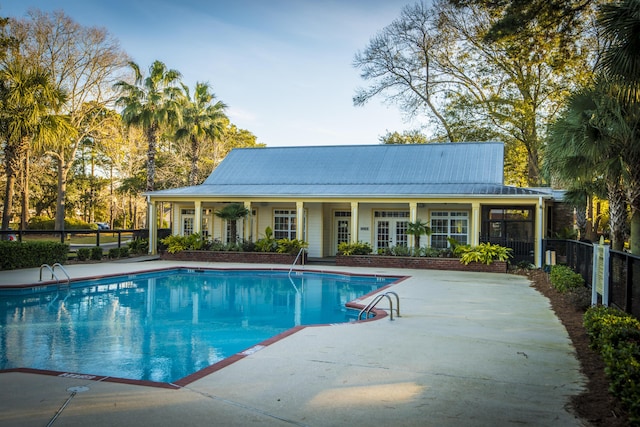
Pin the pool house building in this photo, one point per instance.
(326, 195)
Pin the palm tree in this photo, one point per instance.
(582, 151)
(232, 213)
(417, 229)
(152, 103)
(202, 121)
(30, 101)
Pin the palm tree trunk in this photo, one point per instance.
(8, 201)
(193, 173)
(24, 217)
(62, 192)
(151, 156)
(617, 215)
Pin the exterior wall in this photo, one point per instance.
(320, 216)
(315, 220)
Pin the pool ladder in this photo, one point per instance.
(52, 269)
(366, 310)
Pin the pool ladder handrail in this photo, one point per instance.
(52, 270)
(291, 269)
(367, 309)
(296, 260)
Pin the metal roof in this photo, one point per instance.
(358, 170)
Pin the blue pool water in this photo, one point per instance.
(166, 325)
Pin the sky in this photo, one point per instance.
(283, 67)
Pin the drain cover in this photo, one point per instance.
(78, 389)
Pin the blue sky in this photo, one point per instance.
(284, 67)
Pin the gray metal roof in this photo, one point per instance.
(365, 164)
(472, 169)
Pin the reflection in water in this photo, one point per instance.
(165, 328)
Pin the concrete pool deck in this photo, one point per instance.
(470, 349)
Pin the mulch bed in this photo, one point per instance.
(595, 404)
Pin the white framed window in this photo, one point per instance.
(446, 224)
(284, 224)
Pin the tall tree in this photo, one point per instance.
(513, 86)
(86, 61)
(152, 103)
(202, 122)
(582, 153)
(30, 101)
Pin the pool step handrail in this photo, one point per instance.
(57, 264)
(53, 273)
(367, 309)
(296, 260)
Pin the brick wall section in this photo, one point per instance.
(246, 257)
(418, 263)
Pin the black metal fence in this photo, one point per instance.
(108, 238)
(624, 271)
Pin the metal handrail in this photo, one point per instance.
(51, 270)
(296, 260)
(57, 264)
(367, 309)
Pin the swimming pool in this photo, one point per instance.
(164, 326)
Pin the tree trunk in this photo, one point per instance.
(24, 214)
(617, 215)
(151, 158)
(8, 201)
(634, 238)
(61, 197)
(193, 173)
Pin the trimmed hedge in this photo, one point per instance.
(15, 255)
(616, 336)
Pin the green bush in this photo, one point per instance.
(114, 253)
(46, 223)
(267, 243)
(616, 336)
(484, 253)
(176, 243)
(84, 254)
(565, 279)
(139, 246)
(124, 252)
(290, 246)
(15, 255)
(96, 253)
(359, 248)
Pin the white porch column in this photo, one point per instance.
(300, 232)
(355, 222)
(247, 223)
(152, 220)
(413, 217)
(197, 217)
(475, 224)
(177, 219)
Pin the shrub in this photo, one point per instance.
(290, 246)
(359, 248)
(96, 253)
(400, 251)
(139, 246)
(616, 336)
(176, 243)
(31, 254)
(124, 252)
(114, 253)
(484, 253)
(564, 278)
(430, 252)
(83, 254)
(267, 243)
(46, 223)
